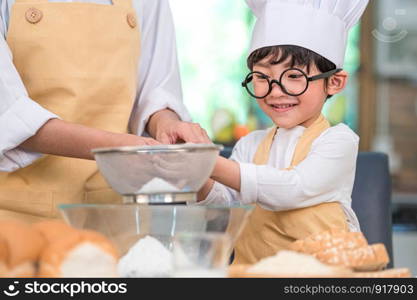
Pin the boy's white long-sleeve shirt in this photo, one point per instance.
(326, 175)
(158, 82)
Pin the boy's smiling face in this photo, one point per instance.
(289, 111)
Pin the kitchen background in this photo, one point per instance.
(379, 103)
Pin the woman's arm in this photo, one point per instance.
(58, 137)
(20, 116)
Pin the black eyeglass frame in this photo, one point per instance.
(249, 77)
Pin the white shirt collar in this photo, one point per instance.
(297, 130)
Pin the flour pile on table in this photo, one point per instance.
(157, 185)
(147, 258)
(292, 263)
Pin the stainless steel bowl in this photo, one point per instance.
(125, 224)
(175, 170)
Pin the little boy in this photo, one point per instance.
(300, 173)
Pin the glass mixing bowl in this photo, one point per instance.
(125, 224)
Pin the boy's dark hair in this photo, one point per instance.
(299, 56)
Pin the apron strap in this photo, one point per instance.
(306, 140)
(303, 145)
(124, 3)
(262, 153)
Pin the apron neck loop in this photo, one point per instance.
(303, 145)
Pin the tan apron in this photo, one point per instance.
(78, 60)
(267, 232)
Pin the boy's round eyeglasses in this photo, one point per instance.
(293, 82)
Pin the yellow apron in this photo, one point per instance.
(78, 60)
(267, 232)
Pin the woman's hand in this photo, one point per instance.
(167, 128)
(126, 139)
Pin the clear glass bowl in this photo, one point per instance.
(125, 224)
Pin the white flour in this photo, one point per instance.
(292, 263)
(147, 258)
(158, 185)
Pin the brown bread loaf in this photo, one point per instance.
(334, 238)
(81, 253)
(342, 248)
(20, 248)
(53, 230)
(337, 248)
(368, 258)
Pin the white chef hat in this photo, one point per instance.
(318, 25)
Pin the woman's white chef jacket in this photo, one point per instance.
(158, 82)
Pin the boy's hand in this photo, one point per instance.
(205, 190)
(227, 172)
(167, 128)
